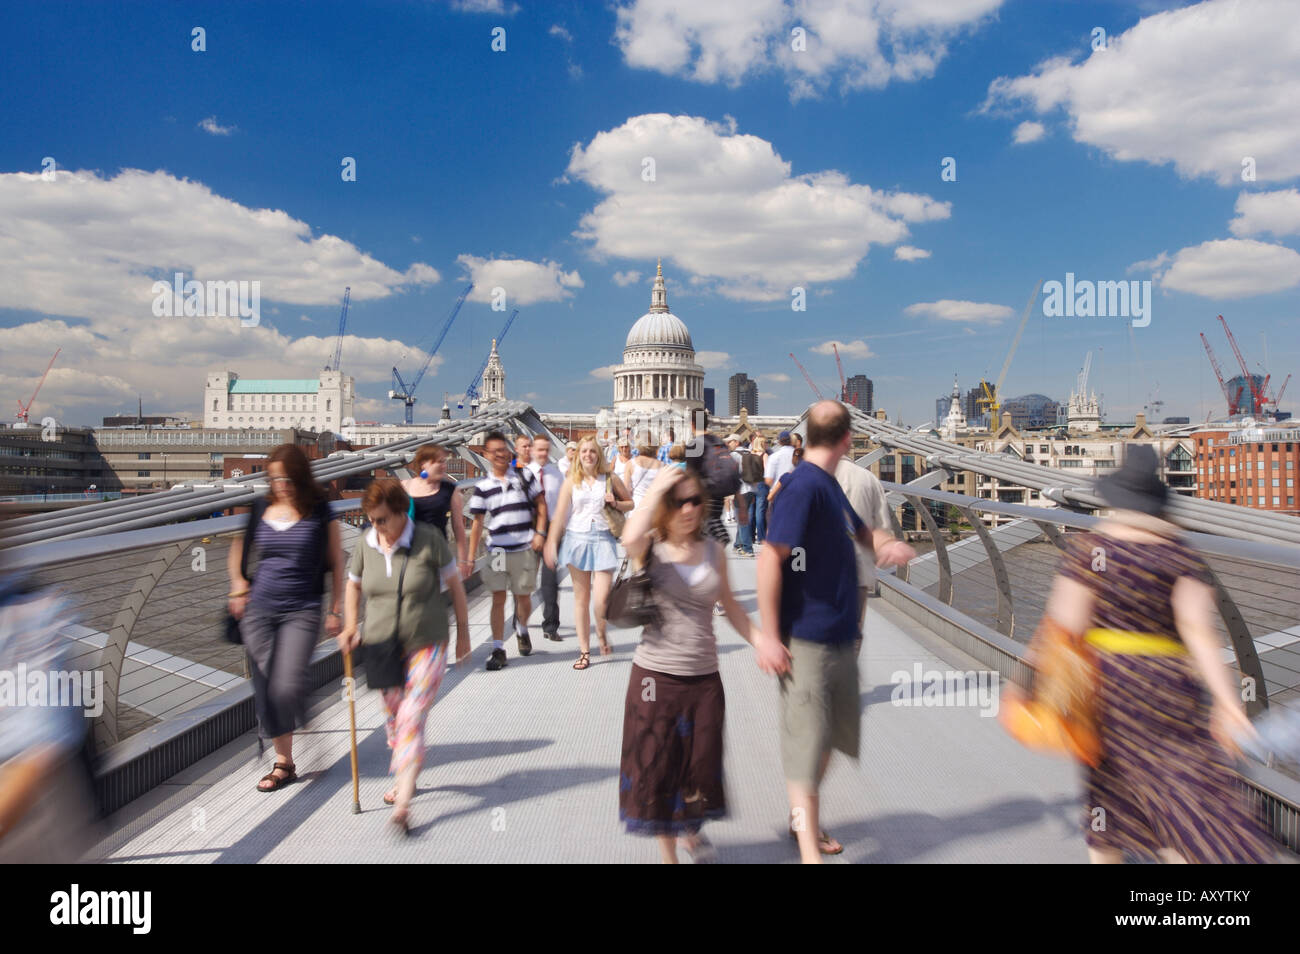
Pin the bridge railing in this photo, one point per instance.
(1002, 577)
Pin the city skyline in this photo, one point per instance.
(907, 196)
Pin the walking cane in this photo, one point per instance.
(352, 719)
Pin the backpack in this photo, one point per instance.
(751, 468)
(716, 468)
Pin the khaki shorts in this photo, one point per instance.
(519, 575)
(820, 707)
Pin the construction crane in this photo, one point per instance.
(343, 323)
(1234, 400)
(844, 388)
(471, 392)
(806, 377)
(23, 409)
(1256, 392)
(993, 399)
(406, 393)
(1282, 390)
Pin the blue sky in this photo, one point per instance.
(523, 169)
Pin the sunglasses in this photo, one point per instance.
(678, 502)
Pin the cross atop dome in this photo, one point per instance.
(659, 297)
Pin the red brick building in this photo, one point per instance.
(1253, 467)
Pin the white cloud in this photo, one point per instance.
(561, 32)
(860, 43)
(102, 244)
(726, 207)
(907, 253)
(623, 279)
(1232, 268)
(947, 309)
(524, 282)
(1153, 265)
(1202, 87)
(606, 372)
(776, 377)
(1028, 131)
(485, 6)
(1277, 212)
(851, 349)
(210, 125)
(712, 359)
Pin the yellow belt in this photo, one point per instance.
(1136, 644)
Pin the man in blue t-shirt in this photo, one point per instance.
(808, 597)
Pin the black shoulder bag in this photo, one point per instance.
(384, 661)
(255, 510)
(632, 598)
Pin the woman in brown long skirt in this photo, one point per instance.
(670, 779)
(1143, 600)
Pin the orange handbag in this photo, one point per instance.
(1057, 716)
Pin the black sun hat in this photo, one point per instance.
(1136, 485)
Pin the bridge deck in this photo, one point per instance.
(522, 766)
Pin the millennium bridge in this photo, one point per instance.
(522, 765)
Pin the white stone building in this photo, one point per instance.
(323, 404)
(658, 384)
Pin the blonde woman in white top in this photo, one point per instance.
(589, 547)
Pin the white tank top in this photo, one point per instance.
(642, 478)
(588, 504)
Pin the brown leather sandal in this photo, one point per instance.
(277, 781)
(584, 660)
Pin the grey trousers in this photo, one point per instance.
(279, 646)
(550, 587)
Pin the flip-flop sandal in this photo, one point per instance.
(278, 782)
(390, 798)
(822, 841)
(584, 660)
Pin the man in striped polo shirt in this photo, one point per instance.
(511, 502)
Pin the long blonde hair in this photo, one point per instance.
(576, 472)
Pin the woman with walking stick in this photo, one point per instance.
(404, 570)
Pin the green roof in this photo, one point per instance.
(269, 386)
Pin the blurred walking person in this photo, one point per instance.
(550, 479)
(434, 500)
(570, 455)
(405, 570)
(670, 774)
(758, 502)
(296, 542)
(811, 605)
(645, 467)
(1143, 600)
(47, 805)
(588, 547)
(867, 497)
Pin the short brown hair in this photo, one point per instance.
(387, 493)
(429, 452)
(827, 425)
(664, 513)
